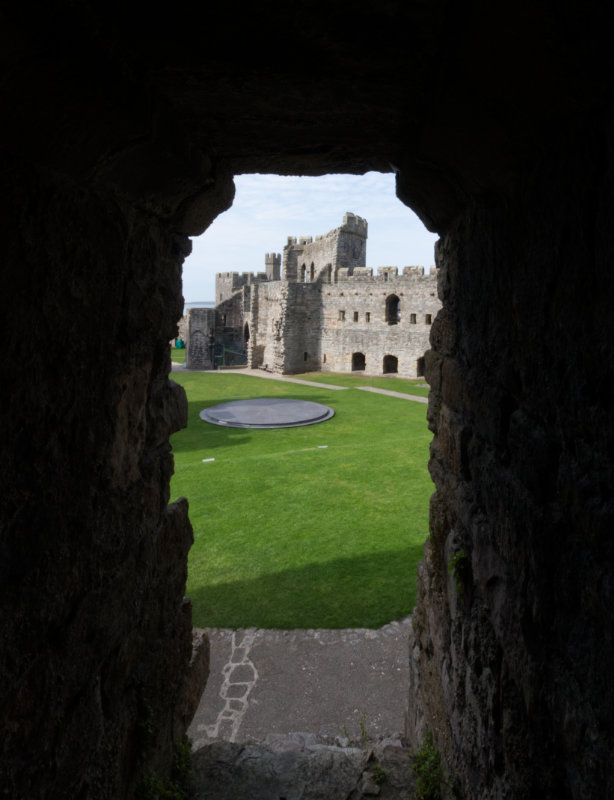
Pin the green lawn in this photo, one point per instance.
(416, 386)
(178, 355)
(321, 526)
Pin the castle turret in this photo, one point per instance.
(272, 263)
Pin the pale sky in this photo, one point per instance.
(269, 208)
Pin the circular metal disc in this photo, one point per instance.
(267, 412)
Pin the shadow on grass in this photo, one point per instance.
(361, 592)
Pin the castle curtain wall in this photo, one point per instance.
(354, 319)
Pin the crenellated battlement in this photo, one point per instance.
(385, 274)
(319, 307)
(355, 224)
(340, 253)
(241, 278)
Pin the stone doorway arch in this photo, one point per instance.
(390, 365)
(359, 362)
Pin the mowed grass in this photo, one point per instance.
(320, 526)
(178, 355)
(413, 386)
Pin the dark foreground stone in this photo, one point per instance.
(290, 769)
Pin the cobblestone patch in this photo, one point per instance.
(342, 685)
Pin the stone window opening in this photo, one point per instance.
(324, 358)
(368, 316)
(303, 274)
(428, 319)
(390, 365)
(305, 356)
(420, 367)
(246, 333)
(412, 319)
(356, 316)
(358, 362)
(311, 271)
(341, 316)
(393, 309)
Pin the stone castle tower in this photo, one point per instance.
(321, 309)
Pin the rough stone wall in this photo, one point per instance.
(96, 637)
(267, 321)
(200, 333)
(364, 296)
(284, 326)
(512, 652)
(294, 328)
(227, 283)
(344, 247)
(302, 326)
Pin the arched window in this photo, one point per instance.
(311, 271)
(303, 274)
(246, 332)
(358, 361)
(393, 309)
(391, 364)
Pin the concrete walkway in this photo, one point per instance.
(416, 398)
(260, 373)
(337, 685)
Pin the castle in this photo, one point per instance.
(321, 309)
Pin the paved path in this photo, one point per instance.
(260, 373)
(414, 397)
(335, 684)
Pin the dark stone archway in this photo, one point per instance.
(390, 364)
(119, 142)
(358, 361)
